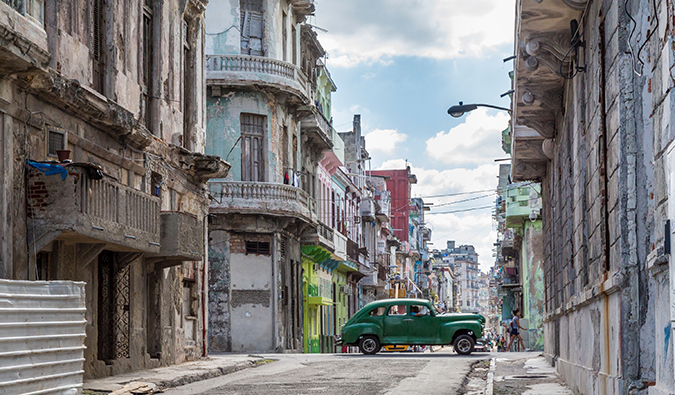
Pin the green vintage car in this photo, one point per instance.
(410, 322)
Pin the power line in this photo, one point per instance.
(457, 194)
(463, 200)
(461, 211)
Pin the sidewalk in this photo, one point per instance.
(156, 380)
(523, 373)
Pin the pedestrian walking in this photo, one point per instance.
(514, 326)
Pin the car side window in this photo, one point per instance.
(396, 310)
(419, 310)
(377, 312)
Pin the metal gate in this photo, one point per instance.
(113, 302)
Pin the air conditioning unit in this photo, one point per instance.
(357, 219)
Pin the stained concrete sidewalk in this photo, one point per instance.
(156, 380)
(525, 373)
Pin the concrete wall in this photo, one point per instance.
(606, 204)
(103, 128)
(224, 129)
(252, 309)
(531, 259)
(223, 21)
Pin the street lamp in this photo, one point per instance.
(459, 110)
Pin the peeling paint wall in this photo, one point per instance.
(533, 284)
(106, 129)
(606, 193)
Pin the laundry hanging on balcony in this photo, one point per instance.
(49, 169)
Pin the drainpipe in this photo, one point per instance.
(205, 299)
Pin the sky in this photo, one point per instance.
(401, 64)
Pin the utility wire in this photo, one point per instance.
(462, 211)
(463, 200)
(457, 194)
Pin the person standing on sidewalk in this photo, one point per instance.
(515, 334)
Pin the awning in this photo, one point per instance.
(319, 301)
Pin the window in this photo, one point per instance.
(97, 45)
(147, 63)
(419, 310)
(56, 141)
(188, 78)
(396, 310)
(294, 45)
(252, 147)
(258, 247)
(251, 27)
(284, 36)
(377, 312)
(156, 184)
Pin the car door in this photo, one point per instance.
(424, 326)
(396, 324)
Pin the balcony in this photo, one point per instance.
(317, 128)
(24, 45)
(340, 242)
(322, 236)
(368, 210)
(277, 200)
(182, 237)
(83, 210)
(302, 7)
(522, 199)
(239, 71)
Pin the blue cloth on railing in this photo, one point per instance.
(49, 169)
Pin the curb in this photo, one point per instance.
(208, 374)
(489, 385)
(162, 385)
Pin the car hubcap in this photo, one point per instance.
(369, 345)
(464, 345)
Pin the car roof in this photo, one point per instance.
(388, 302)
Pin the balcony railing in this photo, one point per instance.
(262, 198)
(241, 70)
(340, 242)
(318, 129)
(81, 208)
(322, 236)
(353, 250)
(182, 236)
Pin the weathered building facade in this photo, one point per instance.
(592, 120)
(103, 172)
(262, 115)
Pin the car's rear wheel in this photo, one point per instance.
(463, 344)
(369, 345)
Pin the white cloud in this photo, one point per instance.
(376, 30)
(473, 142)
(384, 140)
(467, 227)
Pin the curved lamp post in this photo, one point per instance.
(459, 110)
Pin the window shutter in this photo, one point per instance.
(255, 33)
(245, 32)
(97, 43)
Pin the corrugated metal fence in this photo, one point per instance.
(42, 331)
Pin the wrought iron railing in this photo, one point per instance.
(325, 231)
(353, 250)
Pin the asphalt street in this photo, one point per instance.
(441, 372)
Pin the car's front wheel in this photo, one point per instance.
(369, 345)
(463, 344)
